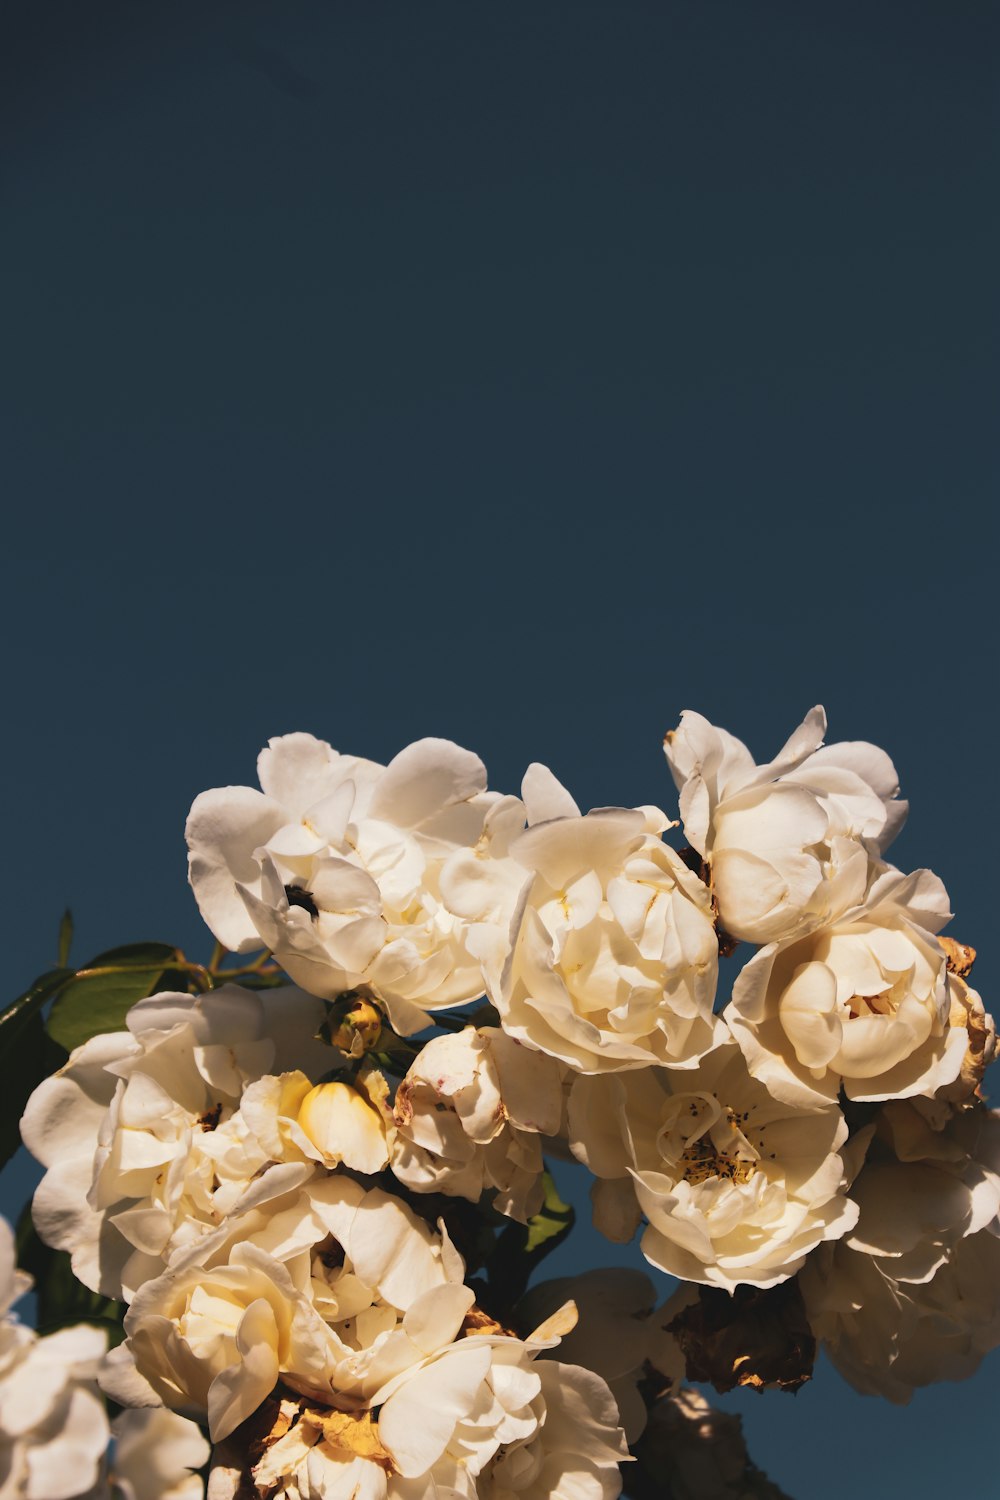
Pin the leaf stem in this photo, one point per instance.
(101, 971)
(259, 965)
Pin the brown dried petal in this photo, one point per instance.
(284, 1457)
(403, 1108)
(247, 1447)
(356, 1435)
(754, 1337)
(698, 866)
(478, 1321)
(960, 956)
(967, 1010)
(277, 1438)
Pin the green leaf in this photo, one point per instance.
(136, 955)
(65, 937)
(551, 1224)
(23, 1066)
(522, 1246)
(20, 1011)
(98, 998)
(27, 1055)
(62, 1300)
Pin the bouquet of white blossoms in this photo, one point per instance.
(294, 1197)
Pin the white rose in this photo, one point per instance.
(213, 1342)
(888, 1336)
(865, 1001)
(140, 1130)
(392, 1296)
(488, 1410)
(356, 1287)
(620, 1334)
(737, 1187)
(912, 1294)
(469, 1114)
(786, 842)
(336, 866)
(53, 1425)
(155, 1453)
(614, 957)
(479, 1419)
(576, 1448)
(333, 1455)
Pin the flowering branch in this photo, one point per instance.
(304, 1197)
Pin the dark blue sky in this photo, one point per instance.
(523, 374)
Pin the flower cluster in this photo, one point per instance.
(289, 1184)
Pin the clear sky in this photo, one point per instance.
(518, 373)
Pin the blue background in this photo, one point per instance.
(522, 374)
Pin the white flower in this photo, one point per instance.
(53, 1425)
(469, 1114)
(613, 957)
(865, 1001)
(481, 1418)
(912, 1294)
(620, 1334)
(576, 1448)
(332, 1288)
(737, 1187)
(786, 842)
(487, 1411)
(336, 866)
(214, 1342)
(154, 1454)
(140, 1130)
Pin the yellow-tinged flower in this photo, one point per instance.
(332, 1123)
(344, 1127)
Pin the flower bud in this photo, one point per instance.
(353, 1023)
